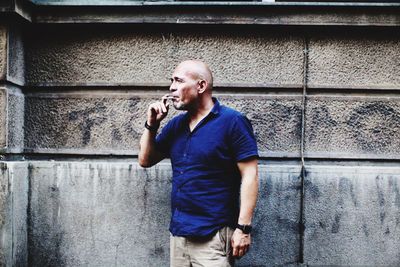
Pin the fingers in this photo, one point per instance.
(158, 111)
(159, 108)
(239, 250)
(240, 245)
(243, 250)
(164, 99)
(235, 250)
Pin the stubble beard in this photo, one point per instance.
(179, 106)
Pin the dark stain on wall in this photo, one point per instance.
(365, 229)
(336, 223)
(279, 127)
(89, 117)
(312, 189)
(129, 127)
(393, 185)
(325, 123)
(347, 187)
(287, 224)
(116, 135)
(381, 198)
(373, 125)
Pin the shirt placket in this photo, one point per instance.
(183, 170)
(186, 152)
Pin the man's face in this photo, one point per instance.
(184, 88)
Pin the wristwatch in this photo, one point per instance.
(246, 228)
(150, 128)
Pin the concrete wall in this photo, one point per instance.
(13, 214)
(352, 215)
(103, 214)
(73, 101)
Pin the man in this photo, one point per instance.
(214, 160)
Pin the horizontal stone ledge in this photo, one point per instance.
(262, 155)
(206, 3)
(32, 86)
(348, 155)
(71, 86)
(353, 87)
(134, 153)
(257, 13)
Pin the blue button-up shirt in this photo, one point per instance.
(206, 179)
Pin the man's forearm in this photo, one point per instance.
(147, 151)
(248, 191)
(248, 199)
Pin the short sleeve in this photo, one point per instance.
(243, 141)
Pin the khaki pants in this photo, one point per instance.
(214, 251)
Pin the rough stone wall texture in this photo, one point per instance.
(13, 213)
(354, 61)
(112, 123)
(93, 56)
(12, 56)
(16, 57)
(356, 126)
(12, 106)
(15, 119)
(95, 213)
(102, 214)
(3, 52)
(352, 215)
(3, 117)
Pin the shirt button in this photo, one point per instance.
(181, 172)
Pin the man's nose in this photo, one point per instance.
(172, 88)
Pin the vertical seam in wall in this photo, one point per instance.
(303, 168)
(8, 47)
(11, 189)
(7, 62)
(28, 216)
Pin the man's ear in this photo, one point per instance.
(202, 86)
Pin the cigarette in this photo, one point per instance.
(170, 97)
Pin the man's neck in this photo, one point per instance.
(203, 109)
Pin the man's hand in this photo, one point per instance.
(157, 111)
(240, 243)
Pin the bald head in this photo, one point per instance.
(197, 70)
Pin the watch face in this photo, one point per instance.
(246, 229)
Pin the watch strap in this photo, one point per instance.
(150, 128)
(246, 228)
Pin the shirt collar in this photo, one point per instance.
(216, 108)
(214, 111)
